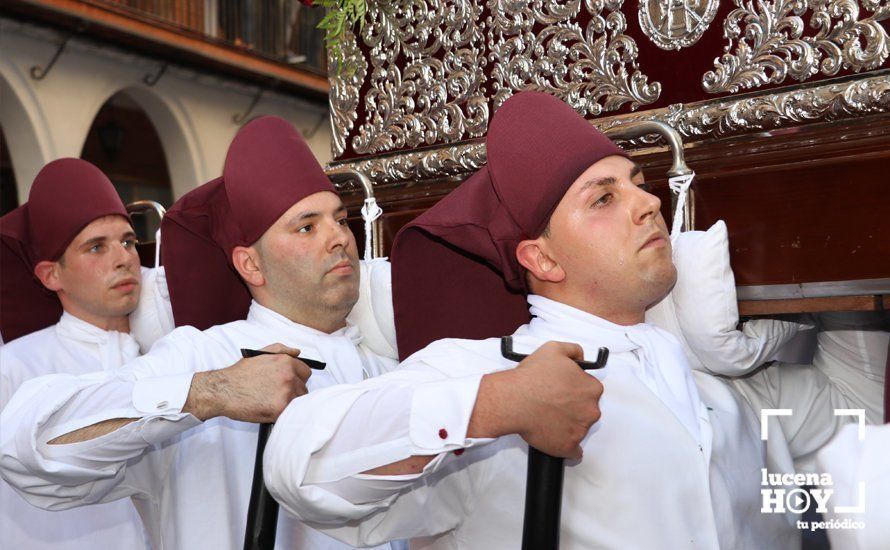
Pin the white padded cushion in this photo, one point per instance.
(153, 317)
(373, 313)
(702, 309)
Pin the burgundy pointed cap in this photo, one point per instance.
(66, 196)
(537, 146)
(269, 168)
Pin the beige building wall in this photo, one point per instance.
(193, 112)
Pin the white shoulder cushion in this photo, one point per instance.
(373, 313)
(702, 309)
(153, 317)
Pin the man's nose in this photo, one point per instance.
(648, 205)
(125, 257)
(339, 236)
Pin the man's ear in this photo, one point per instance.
(533, 256)
(48, 274)
(247, 264)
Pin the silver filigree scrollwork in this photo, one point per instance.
(438, 94)
(720, 118)
(344, 94)
(769, 111)
(767, 42)
(706, 120)
(593, 69)
(447, 161)
(676, 24)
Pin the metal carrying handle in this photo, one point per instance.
(602, 356)
(678, 168)
(543, 482)
(370, 211)
(138, 207)
(262, 509)
(143, 206)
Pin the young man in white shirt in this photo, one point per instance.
(268, 241)
(69, 265)
(558, 224)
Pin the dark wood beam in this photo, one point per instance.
(749, 308)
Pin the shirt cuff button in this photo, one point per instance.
(162, 405)
(443, 434)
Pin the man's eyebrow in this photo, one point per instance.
(310, 214)
(302, 216)
(599, 182)
(89, 243)
(635, 171)
(128, 235)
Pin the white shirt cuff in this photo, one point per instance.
(162, 395)
(440, 415)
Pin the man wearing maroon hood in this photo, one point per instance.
(261, 256)
(69, 278)
(556, 239)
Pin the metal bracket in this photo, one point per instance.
(242, 118)
(343, 175)
(670, 136)
(675, 143)
(138, 207)
(152, 79)
(38, 73)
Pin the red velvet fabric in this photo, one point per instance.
(455, 272)
(66, 196)
(269, 168)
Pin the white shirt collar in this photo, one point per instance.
(585, 329)
(82, 331)
(264, 316)
(338, 350)
(113, 348)
(662, 365)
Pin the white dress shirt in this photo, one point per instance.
(74, 347)
(190, 480)
(674, 462)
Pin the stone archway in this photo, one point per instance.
(122, 142)
(26, 131)
(177, 135)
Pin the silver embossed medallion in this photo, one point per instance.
(675, 24)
